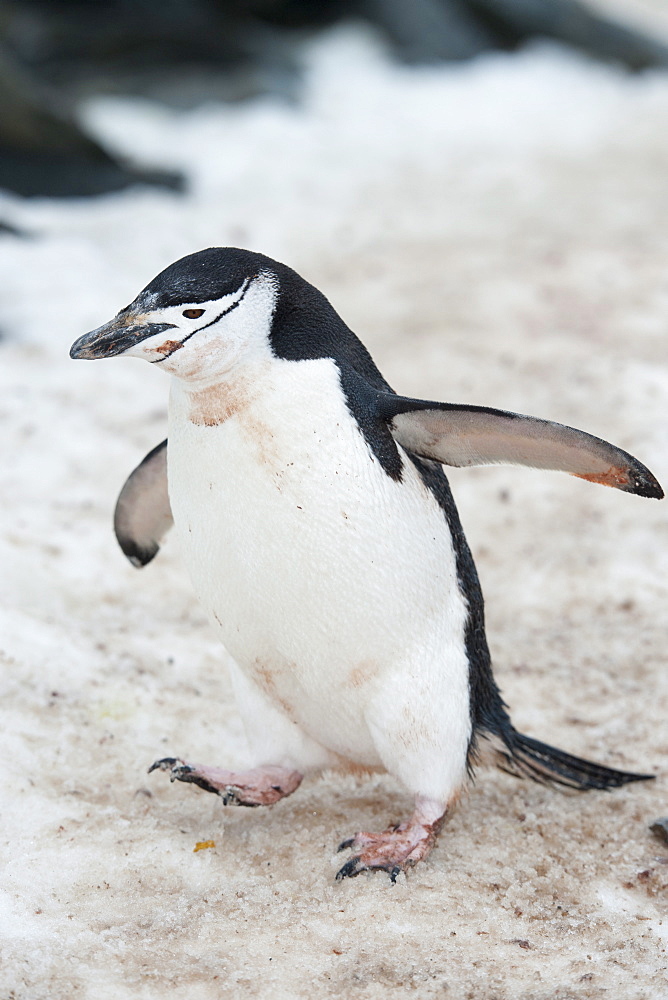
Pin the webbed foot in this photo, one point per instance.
(261, 786)
(394, 850)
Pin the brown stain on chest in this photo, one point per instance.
(258, 433)
(362, 672)
(215, 404)
(265, 677)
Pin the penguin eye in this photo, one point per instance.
(193, 313)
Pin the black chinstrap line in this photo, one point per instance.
(206, 325)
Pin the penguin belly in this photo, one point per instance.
(332, 585)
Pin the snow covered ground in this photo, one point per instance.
(497, 233)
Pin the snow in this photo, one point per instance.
(497, 233)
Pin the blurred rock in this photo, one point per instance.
(143, 46)
(54, 52)
(42, 152)
(119, 43)
(431, 30)
(574, 23)
(7, 229)
(660, 829)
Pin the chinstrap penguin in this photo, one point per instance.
(322, 539)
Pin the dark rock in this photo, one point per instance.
(425, 31)
(184, 51)
(42, 152)
(574, 23)
(7, 229)
(660, 829)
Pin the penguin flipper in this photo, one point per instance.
(143, 516)
(461, 435)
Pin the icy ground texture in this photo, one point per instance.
(497, 233)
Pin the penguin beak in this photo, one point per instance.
(123, 332)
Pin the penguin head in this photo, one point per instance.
(200, 317)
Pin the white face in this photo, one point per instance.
(198, 341)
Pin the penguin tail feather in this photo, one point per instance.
(526, 757)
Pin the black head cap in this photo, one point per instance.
(305, 325)
(206, 275)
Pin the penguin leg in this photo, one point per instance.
(272, 731)
(272, 736)
(420, 725)
(260, 786)
(399, 847)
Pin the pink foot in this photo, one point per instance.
(260, 787)
(395, 849)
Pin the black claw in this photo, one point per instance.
(355, 866)
(182, 773)
(345, 844)
(186, 773)
(351, 868)
(166, 764)
(230, 797)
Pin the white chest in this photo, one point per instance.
(322, 573)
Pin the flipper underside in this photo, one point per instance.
(143, 515)
(477, 435)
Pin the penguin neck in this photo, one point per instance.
(211, 400)
(308, 327)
